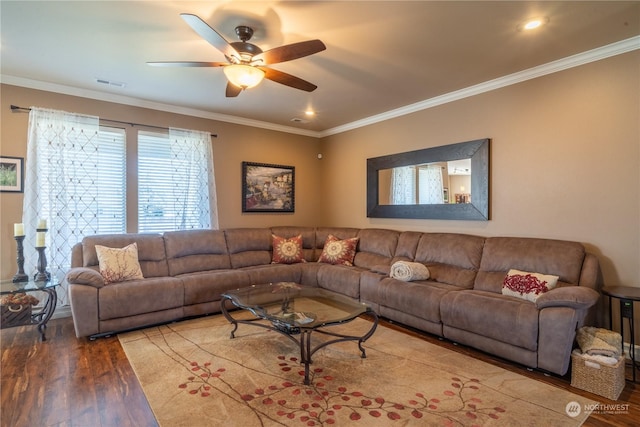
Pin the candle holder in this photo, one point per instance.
(20, 276)
(42, 275)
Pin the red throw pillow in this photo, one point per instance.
(340, 252)
(287, 251)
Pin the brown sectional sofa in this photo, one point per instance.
(187, 271)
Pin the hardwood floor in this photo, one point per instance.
(67, 382)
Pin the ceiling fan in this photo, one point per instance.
(247, 64)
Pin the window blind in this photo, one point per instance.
(172, 179)
(111, 182)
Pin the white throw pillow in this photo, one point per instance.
(119, 264)
(529, 286)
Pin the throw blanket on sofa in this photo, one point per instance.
(408, 271)
(599, 342)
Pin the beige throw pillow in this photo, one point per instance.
(119, 265)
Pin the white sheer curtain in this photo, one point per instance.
(60, 185)
(430, 185)
(403, 186)
(194, 193)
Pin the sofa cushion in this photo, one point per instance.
(529, 286)
(151, 252)
(207, 286)
(196, 250)
(119, 264)
(287, 251)
(556, 257)
(273, 273)
(506, 319)
(249, 246)
(451, 258)
(376, 247)
(407, 246)
(420, 299)
(338, 252)
(140, 296)
(340, 278)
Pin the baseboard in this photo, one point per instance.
(61, 312)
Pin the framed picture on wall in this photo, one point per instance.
(267, 188)
(11, 174)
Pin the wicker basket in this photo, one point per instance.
(604, 380)
(15, 315)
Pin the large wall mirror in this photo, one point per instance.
(447, 182)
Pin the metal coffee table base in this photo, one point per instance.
(304, 340)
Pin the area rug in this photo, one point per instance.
(194, 374)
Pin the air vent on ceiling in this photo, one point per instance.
(299, 120)
(110, 83)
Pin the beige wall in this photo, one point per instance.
(565, 161)
(233, 145)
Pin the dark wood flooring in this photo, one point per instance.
(66, 381)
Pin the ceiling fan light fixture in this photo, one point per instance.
(243, 76)
(533, 23)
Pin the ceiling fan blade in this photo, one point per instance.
(232, 90)
(209, 34)
(289, 52)
(287, 79)
(187, 64)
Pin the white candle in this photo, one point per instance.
(42, 223)
(18, 229)
(40, 239)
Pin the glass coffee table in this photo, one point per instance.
(296, 311)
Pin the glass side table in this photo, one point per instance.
(627, 295)
(42, 316)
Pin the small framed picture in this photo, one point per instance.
(11, 174)
(267, 188)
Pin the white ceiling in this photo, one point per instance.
(381, 57)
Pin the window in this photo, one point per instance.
(174, 185)
(76, 179)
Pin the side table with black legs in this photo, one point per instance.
(42, 316)
(627, 295)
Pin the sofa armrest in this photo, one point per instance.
(577, 297)
(85, 276)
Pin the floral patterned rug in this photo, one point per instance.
(193, 374)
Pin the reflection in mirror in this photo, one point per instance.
(447, 182)
(427, 183)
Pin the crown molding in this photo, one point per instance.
(593, 55)
(137, 102)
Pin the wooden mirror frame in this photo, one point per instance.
(477, 210)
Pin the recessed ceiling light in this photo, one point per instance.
(310, 113)
(533, 23)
